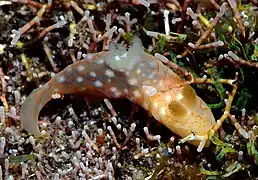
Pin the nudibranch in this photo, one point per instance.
(128, 73)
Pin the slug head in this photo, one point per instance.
(187, 114)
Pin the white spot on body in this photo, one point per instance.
(60, 79)
(90, 56)
(79, 79)
(152, 75)
(142, 65)
(127, 73)
(163, 111)
(56, 96)
(155, 105)
(109, 73)
(117, 94)
(93, 74)
(117, 58)
(69, 69)
(179, 97)
(113, 89)
(124, 55)
(80, 68)
(149, 90)
(160, 84)
(152, 64)
(100, 61)
(98, 83)
(168, 98)
(137, 93)
(133, 81)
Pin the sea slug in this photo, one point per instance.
(133, 74)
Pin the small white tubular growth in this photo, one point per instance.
(256, 41)
(178, 150)
(121, 31)
(154, 34)
(191, 45)
(5, 3)
(144, 3)
(2, 114)
(110, 32)
(201, 145)
(161, 57)
(108, 22)
(233, 56)
(120, 59)
(79, 55)
(127, 17)
(219, 43)
(241, 131)
(60, 24)
(87, 14)
(56, 176)
(6, 166)
(92, 30)
(166, 22)
(243, 112)
(223, 9)
(246, 23)
(17, 97)
(240, 155)
(1, 173)
(232, 3)
(110, 107)
(191, 137)
(132, 127)
(204, 77)
(2, 144)
(114, 120)
(191, 13)
(16, 36)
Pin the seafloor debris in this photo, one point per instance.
(208, 42)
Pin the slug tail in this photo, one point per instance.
(32, 106)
